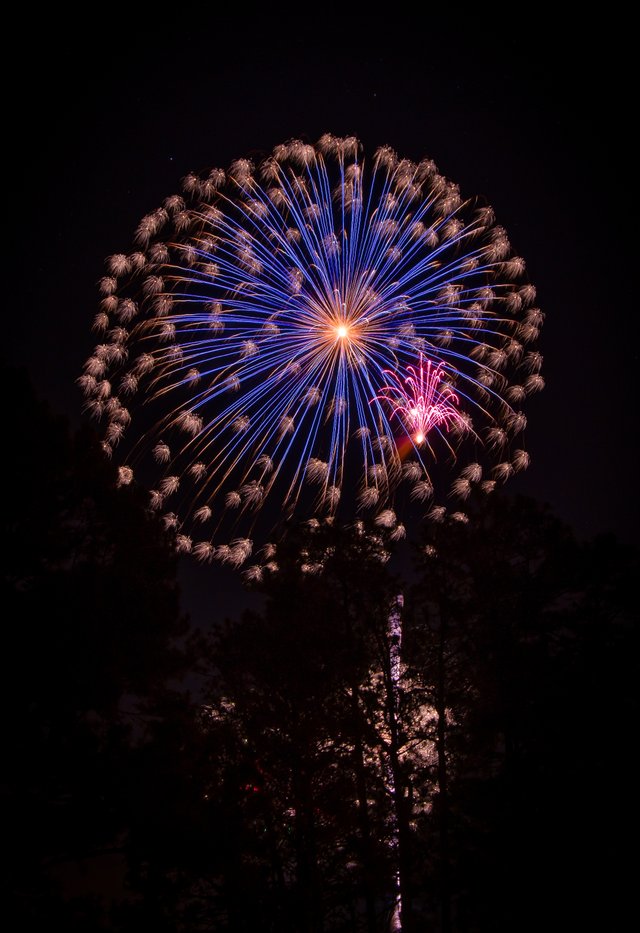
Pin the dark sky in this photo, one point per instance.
(534, 121)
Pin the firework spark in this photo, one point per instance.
(273, 325)
(420, 402)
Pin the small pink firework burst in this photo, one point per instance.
(420, 402)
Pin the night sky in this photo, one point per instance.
(534, 122)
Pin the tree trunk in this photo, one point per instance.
(309, 895)
(364, 823)
(233, 880)
(401, 802)
(400, 807)
(443, 793)
(277, 870)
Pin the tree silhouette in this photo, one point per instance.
(463, 766)
(93, 632)
(292, 686)
(509, 616)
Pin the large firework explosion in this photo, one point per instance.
(304, 339)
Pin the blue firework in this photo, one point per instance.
(244, 372)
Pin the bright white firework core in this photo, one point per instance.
(342, 331)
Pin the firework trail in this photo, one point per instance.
(304, 338)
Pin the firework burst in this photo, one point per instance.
(420, 403)
(300, 338)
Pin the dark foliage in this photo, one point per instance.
(92, 637)
(493, 779)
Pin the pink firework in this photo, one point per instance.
(420, 402)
